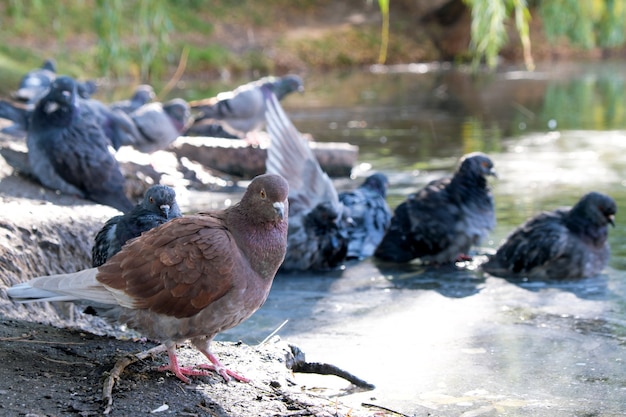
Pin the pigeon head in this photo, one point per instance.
(49, 65)
(286, 85)
(87, 88)
(477, 163)
(598, 208)
(377, 182)
(62, 92)
(266, 199)
(143, 94)
(179, 112)
(161, 199)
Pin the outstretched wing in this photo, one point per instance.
(289, 155)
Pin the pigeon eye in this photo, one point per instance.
(151, 200)
(262, 193)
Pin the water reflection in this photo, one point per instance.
(454, 281)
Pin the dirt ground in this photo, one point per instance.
(55, 359)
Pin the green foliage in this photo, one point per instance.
(488, 30)
(148, 53)
(587, 23)
(384, 32)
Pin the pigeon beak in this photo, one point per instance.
(493, 173)
(611, 219)
(166, 209)
(279, 206)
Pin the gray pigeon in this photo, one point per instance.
(566, 243)
(68, 150)
(317, 238)
(116, 125)
(242, 110)
(190, 278)
(440, 223)
(157, 207)
(35, 84)
(143, 94)
(160, 124)
(368, 215)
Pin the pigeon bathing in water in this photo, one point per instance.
(368, 215)
(440, 223)
(566, 243)
(242, 110)
(190, 278)
(325, 227)
(157, 207)
(68, 150)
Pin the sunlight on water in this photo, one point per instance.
(450, 341)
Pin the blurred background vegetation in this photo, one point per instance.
(146, 41)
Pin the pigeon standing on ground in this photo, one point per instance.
(190, 278)
(369, 215)
(566, 243)
(68, 151)
(160, 124)
(440, 223)
(318, 238)
(242, 110)
(157, 207)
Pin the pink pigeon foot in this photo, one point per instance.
(215, 366)
(463, 257)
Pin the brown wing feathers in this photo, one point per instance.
(171, 274)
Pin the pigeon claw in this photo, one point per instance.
(225, 372)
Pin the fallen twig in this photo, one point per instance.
(299, 364)
(120, 365)
(380, 407)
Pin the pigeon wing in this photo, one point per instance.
(176, 269)
(290, 156)
(541, 240)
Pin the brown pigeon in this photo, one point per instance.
(189, 278)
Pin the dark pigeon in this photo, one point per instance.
(566, 243)
(19, 113)
(143, 94)
(189, 278)
(242, 110)
(68, 150)
(440, 223)
(35, 84)
(160, 124)
(368, 215)
(157, 207)
(318, 238)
